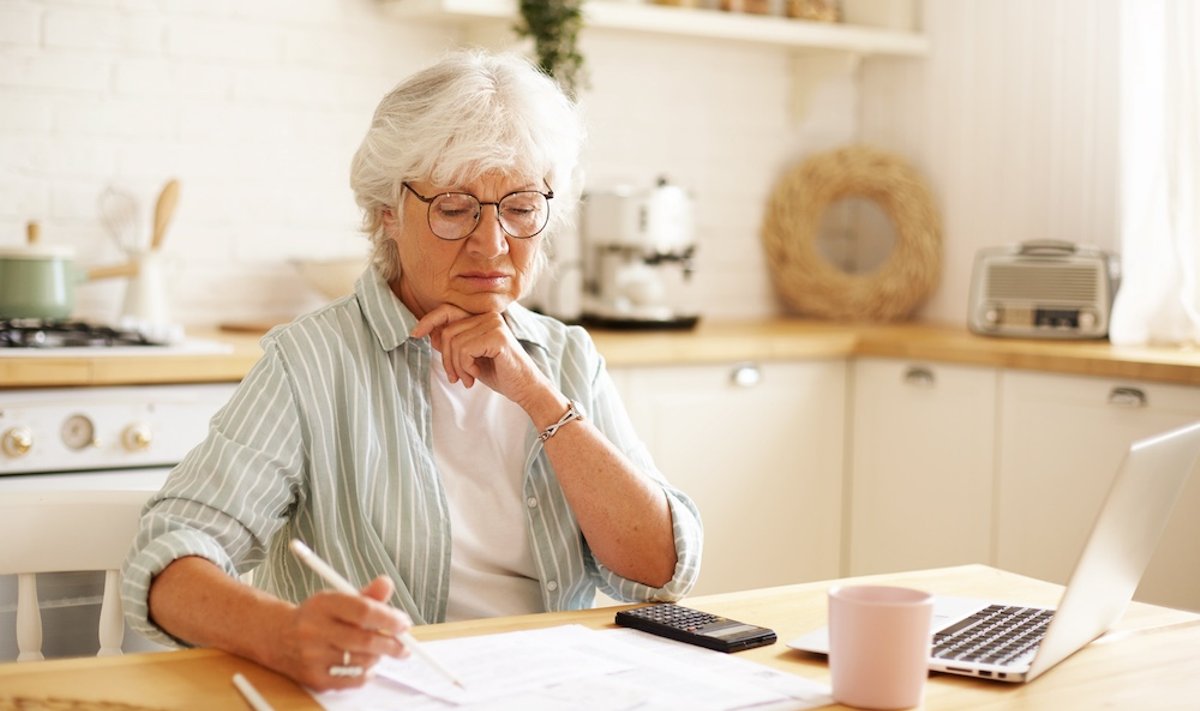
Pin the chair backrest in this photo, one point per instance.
(60, 531)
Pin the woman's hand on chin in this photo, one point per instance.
(481, 347)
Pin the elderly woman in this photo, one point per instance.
(449, 452)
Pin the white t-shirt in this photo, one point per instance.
(479, 447)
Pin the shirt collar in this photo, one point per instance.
(391, 321)
(386, 315)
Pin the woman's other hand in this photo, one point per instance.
(481, 347)
(332, 634)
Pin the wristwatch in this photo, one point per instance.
(574, 412)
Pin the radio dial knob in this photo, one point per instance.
(17, 441)
(1087, 320)
(137, 437)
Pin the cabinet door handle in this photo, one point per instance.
(746, 375)
(919, 376)
(1127, 397)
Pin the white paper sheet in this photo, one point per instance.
(497, 665)
(578, 668)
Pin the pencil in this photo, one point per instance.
(255, 699)
(331, 576)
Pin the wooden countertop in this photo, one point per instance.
(89, 369)
(711, 342)
(1096, 358)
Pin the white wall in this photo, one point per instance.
(254, 106)
(718, 119)
(1013, 119)
(257, 107)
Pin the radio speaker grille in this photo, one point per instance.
(1069, 283)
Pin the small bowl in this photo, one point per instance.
(333, 277)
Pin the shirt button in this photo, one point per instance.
(532, 502)
(552, 586)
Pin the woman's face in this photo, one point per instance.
(481, 273)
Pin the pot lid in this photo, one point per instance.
(33, 247)
(36, 251)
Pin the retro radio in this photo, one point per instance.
(1043, 289)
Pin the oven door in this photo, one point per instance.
(70, 602)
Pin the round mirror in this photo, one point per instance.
(856, 235)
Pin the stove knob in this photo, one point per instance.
(137, 437)
(17, 441)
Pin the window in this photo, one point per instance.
(1159, 299)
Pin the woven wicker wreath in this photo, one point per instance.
(811, 284)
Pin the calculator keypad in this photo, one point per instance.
(675, 616)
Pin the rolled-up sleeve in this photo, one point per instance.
(611, 418)
(228, 496)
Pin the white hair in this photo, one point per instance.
(471, 113)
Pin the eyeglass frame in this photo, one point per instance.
(479, 215)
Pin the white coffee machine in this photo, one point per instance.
(638, 250)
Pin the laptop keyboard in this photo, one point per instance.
(994, 635)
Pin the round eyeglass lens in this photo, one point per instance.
(453, 215)
(524, 214)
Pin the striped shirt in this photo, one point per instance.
(328, 439)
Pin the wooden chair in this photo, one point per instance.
(58, 531)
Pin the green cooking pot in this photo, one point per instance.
(38, 282)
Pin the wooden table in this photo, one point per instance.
(1150, 660)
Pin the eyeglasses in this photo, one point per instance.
(454, 216)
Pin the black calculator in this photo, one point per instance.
(694, 627)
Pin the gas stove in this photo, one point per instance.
(89, 441)
(38, 333)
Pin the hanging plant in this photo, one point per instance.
(554, 26)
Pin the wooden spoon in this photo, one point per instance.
(164, 210)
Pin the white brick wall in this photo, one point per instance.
(258, 105)
(255, 106)
(18, 26)
(101, 30)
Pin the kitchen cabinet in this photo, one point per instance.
(759, 446)
(1063, 438)
(920, 466)
(685, 22)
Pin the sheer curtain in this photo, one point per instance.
(1159, 299)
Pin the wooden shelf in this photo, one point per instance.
(687, 22)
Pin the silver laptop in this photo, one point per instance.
(1014, 643)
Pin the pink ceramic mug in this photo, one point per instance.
(879, 640)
